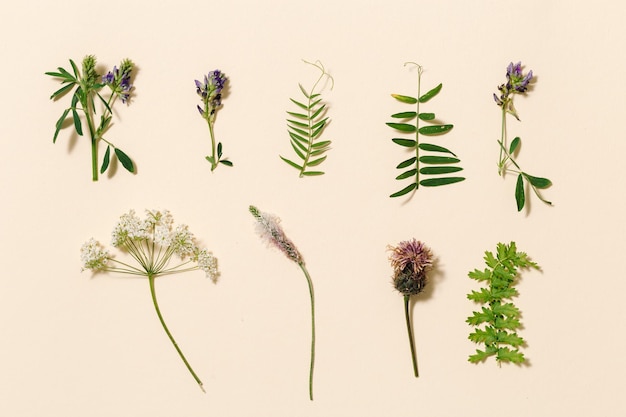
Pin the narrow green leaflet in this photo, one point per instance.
(496, 323)
(428, 168)
(306, 126)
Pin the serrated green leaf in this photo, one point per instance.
(293, 164)
(426, 116)
(479, 356)
(538, 182)
(506, 310)
(434, 148)
(404, 99)
(407, 174)
(405, 190)
(125, 160)
(514, 144)
(105, 160)
(435, 130)
(427, 159)
(409, 143)
(404, 115)
(440, 170)
(507, 355)
(312, 173)
(297, 103)
(406, 163)
(436, 182)
(479, 275)
(77, 123)
(432, 93)
(520, 197)
(510, 339)
(404, 127)
(316, 162)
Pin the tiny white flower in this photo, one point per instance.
(93, 255)
(208, 263)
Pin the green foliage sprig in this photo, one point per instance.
(306, 125)
(497, 322)
(88, 86)
(517, 83)
(423, 164)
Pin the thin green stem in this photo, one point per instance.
(158, 311)
(310, 284)
(501, 161)
(409, 328)
(213, 151)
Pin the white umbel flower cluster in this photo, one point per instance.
(151, 242)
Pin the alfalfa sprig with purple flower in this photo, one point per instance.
(517, 83)
(270, 230)
(306, 125)
(210, 91)
(92, 103)
(411, 260)
(429, 165)
(156, 248)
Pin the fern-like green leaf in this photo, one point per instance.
(411, 126)
(497, 322)
(306, 131)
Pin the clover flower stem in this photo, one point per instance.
(151, 278)
(213, 155)
(407, 314)
(502, 161)
(310, 284)
(94, 140)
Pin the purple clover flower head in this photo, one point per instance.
(210, 90)
(516, 80)
(410, 261)
(119, 80)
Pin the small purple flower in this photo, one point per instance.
(211, 92)
(119, 80)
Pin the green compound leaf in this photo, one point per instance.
(125, 160)
(105, 160)
(308, 128)
(432, 93)
(61, 91)
(405, 115)
(495, 325)
(436, 182)
(404, 99)
(404, 127)
(520, 197)
(435, 130)
(414, 130)
(438, 160)
(409, 143)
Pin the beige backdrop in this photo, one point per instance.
(77, 345)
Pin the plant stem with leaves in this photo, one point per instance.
(426, 165)
(306, 128)
(88, 86)
(517, 83)
(210, 91)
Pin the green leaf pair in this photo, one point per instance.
(305, 127)
(436, 168)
